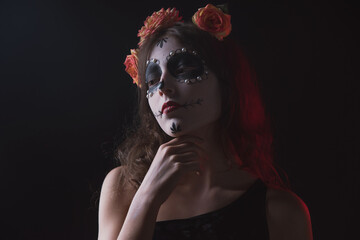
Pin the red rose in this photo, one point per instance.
(162, 18)
(131, 63)
(213, 20)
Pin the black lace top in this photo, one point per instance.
(245, 218)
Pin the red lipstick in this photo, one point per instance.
(169, 107)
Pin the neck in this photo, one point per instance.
(212, 168)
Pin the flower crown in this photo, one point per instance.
(211, 19)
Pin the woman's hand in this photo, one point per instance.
(137, 220)
(172, 160)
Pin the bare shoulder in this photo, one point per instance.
(114, 183)
(288, 216)
(115, 199)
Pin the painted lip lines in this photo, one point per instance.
(169, 107)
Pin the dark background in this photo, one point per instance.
(65, 97)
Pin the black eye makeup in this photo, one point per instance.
(153, 88)
(153, 72)
(152, 76)
(186, 66)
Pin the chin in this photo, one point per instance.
(174, 128)
(178, 127)
(174, 135)
(184, 132)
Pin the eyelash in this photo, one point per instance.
(152, 82)
(180, 70)
(184, 69)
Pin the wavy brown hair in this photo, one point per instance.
(244, 129)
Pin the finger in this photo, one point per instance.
(186, 147)
(185, 138)
(191, 166)
(201, 154)
(184, 157)
(187, 165)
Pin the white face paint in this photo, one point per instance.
(181, 108)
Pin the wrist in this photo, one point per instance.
(147, 198)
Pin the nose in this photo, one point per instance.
(167, 86)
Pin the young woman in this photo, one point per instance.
(199, 164)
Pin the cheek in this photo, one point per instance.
(154, 107)
(152, 104)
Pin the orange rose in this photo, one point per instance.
(213, 20)
(158, 19)
(131, 63)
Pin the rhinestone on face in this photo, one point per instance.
(206, 72)
(183, 49)
(153, 60)
(187, 81)
(194, 52)
(198, 78)
(171, 53)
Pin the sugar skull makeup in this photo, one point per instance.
(152, 76)
(180, 104)
(184, 65)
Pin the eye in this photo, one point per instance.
(152, 82)
(184, 69)
(153, 73)
(185, 65)
(180, 70)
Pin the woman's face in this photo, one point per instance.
(183, 94)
